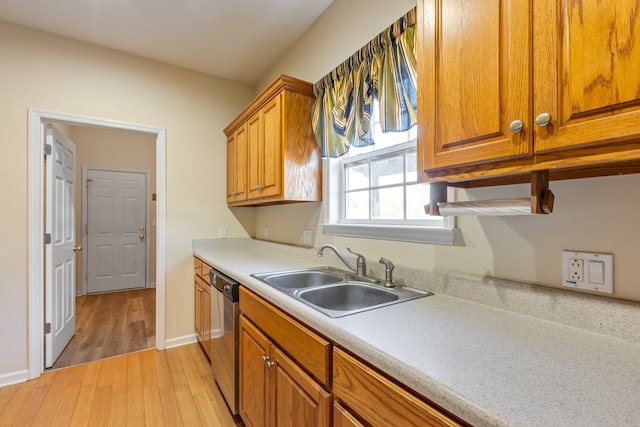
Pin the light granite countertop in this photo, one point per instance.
(488, 365)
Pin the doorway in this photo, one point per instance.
(36, 121)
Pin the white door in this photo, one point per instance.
(60, 265)
(116, 234)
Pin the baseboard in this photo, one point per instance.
(180, 341)
(14, 377)
(151, 285)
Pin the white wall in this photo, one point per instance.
(56, 74)
(597, 214)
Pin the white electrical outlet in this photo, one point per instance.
(308, 237)
(587, 270)
(265, 232)
(222, 232)
(576, 269)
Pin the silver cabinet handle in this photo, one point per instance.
(516, 126)
(259, 188)
(543, 119)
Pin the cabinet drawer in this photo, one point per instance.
(378, 400)
(310, 350)
(197, 266)
(205, 272)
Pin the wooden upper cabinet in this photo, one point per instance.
(283, 157)
(237, 166)
(586, 72)
(474, 73)
(508, 87)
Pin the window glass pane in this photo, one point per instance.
(357, 205)
(417, 197)
(387, 203)
(411, 167)
(387, 171)
(356, 176)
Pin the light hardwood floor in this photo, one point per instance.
(148, 388)
(111, 324)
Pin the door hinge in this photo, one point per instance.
(47, 238)
(47, 149)
(47, 328)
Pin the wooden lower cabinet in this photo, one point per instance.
(288, 372)
(274, 390)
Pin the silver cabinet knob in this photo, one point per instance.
(543, 119)
(516, 126)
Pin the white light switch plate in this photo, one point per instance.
(587, 270)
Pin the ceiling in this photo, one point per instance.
(237, 40)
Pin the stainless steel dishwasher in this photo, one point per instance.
(224, 344)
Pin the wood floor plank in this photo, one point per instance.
(65, 409)
(187, 405)
(152, 407)
(170, 407)
(100, 407)
(105, 377)
(53, 399)
(82, 409)
(32, 406)
(148, 368)
(207, 412)
(135, 396)
(163, 375)
(6, 393)
(15, 405)
(120, 373)
(178, 376)
(194, 379)
(118, 406)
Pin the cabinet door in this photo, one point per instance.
(255, 160)
(298, 399)
(474, 61)
(272, 148)
(236, 166)
(205, 310)
(586, 72)
(254, 376)
(197, 308)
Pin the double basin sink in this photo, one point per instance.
(335, 292)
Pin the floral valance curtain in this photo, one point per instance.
(384, 69)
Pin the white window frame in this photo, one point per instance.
(333, 225)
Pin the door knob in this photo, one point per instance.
(142, 228)
(77, 248)
(141, 237)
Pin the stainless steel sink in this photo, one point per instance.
(335, 292)
(302, 278)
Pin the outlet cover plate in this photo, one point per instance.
(596, 269)
(308, 237)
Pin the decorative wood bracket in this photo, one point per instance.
(541, 201)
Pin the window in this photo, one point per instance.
(377, 193)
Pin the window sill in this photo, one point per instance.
(415, 234)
